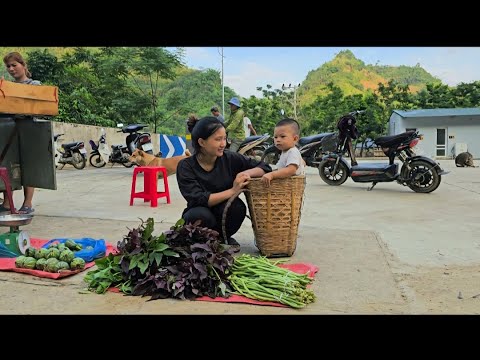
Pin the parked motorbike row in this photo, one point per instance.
(118, 154)
(75, 153)
(327, 152)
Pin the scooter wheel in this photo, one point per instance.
(97, 161)
(325, 170)
(423, 177)
(128, 164)
(78, 161)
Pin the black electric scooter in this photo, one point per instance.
(419, 173)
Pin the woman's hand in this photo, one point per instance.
(241, 180)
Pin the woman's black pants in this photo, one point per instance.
(212, 217)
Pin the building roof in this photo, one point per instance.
(438, 112)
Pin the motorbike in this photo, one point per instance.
(254, 146)
(119, 154)
(419, 173)
(136, 139)
(72, 153)
(101, 154)
(310, 147)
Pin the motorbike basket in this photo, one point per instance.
(330, 143)
(275, 214)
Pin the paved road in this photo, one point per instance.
(419, 229)
(363, 242)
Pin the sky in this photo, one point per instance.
(246, 68)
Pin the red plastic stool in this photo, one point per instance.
(150, 181)
(6, 180)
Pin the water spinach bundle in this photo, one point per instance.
(258, 278)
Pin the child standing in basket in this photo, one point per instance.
(286, 135)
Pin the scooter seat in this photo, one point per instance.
(250, 139)
(386, 141)
(133, 128)
(314, 138)
(71, 145)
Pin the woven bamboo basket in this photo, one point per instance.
(275, 213)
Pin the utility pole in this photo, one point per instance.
(223, 86)
(294, 87)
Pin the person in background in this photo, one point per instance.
(209, 178)
(234, 125)
(249, 129)
(215, 112)
(286, 135)
(18, 69)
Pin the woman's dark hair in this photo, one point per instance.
(203, 129)
(191, 121)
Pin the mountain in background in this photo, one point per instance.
(353, 76)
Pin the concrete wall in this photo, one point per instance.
(79, 132)
(461, 129)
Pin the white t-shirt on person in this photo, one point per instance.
(292, 156)
(246, 122)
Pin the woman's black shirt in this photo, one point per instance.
(196, 184)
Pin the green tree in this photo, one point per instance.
(150, 64)
(394, 96)
(45, 67)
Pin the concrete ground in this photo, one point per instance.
(386, 251)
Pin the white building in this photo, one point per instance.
(446, 132)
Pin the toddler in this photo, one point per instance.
(286, 135)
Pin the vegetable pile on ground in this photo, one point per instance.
(56, 258)
(185, 262)
(190, 261)
(260, 279)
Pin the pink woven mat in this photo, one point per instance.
(8, 264)
(301, 268)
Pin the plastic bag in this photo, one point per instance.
(99, 248)
(6, 253)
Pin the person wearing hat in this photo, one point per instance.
(215, 112)
(234, 124)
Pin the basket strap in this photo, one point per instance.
(224, 215)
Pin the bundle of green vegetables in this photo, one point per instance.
(258, 278)
(184, 262)
(190, 261)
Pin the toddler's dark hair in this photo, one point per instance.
(292, 122)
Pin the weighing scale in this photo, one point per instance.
(15, 240)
